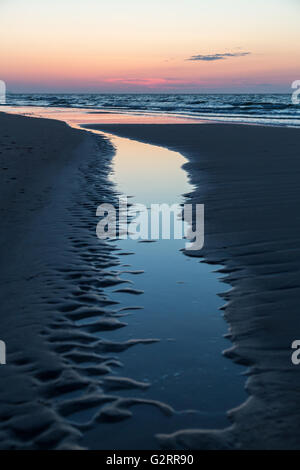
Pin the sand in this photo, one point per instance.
(54, 272)
(45, 275)
(248, 179)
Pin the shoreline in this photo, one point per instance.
(258, 108)
(136, 117)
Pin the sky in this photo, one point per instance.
(151, 46)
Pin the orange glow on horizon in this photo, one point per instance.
(95, 46)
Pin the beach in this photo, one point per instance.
(54, 273)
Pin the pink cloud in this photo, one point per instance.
(149, 82)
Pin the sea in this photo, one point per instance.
(265, 109)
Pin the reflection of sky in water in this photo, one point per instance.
(148, 172)
(152, 175)
(180, 302)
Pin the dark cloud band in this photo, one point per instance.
(212, 57)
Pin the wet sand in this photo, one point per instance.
(54, 272)
(248, 179)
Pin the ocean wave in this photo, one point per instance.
(247, 106)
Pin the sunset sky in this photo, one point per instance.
(149, 45)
